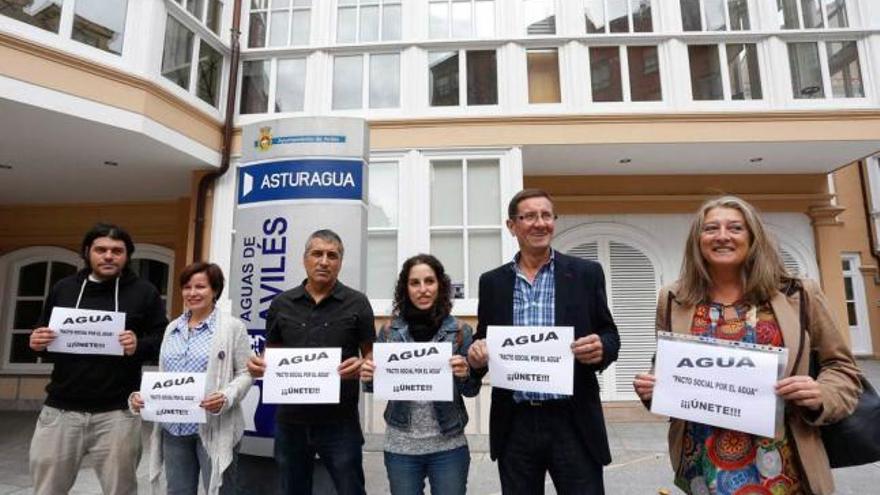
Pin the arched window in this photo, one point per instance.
(156, 265)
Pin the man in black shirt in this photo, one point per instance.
(322, 312)
(86, 409)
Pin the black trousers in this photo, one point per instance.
(542, 439)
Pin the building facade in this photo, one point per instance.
(630, 112)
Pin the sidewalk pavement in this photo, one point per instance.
(640, 467)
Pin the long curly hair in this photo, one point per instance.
(762, 272)
(442, 305)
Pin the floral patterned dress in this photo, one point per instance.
(718, 461)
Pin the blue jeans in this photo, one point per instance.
(337, 444)
(447, 471)
(184, 458)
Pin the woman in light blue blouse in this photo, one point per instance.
(202, 340)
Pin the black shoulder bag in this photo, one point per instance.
(854, 440)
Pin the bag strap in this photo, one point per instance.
(802, 312)
(669, 298)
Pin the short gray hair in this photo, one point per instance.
(325, 235)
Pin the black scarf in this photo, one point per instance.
(422, 324)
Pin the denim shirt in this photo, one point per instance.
(452, 416)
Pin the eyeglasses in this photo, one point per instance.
(533, 216)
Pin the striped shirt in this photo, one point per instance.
(534, 305)
(188, 351)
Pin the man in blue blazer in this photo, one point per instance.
(533, 433)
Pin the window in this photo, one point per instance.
(44, 14)
(180, 49)
(605, 73)
(383, 81)
(444, 85)
(368, 20)
(290, 85)
(382, 225)
(254, 86)
(461, 18)
(208, 12)
(279, 23)
(607, 82)
(540, 17)
(715, 15)
(210, 69)
(618, 16)
(644, 73)
(465, 220)
(100, 23)
(543, 76)
(812, 14)
(743, 77)
(811, 64)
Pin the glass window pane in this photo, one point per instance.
(381, 264)
(644, 73)
(391, 22)
(543, 72)
(806, 76)
(346, 25)
(210, 68)
(100, 23)
(290, 88)
(845, 265)
(301, 23)
(705, 72)
(369, 23)
(59, 271)
(461, 19)
(21, 351)
(484, 254)
(302, 3)
(618, 17)
(438, 20)
(690, 15)
(787, 14)
(385, 81)
(446, 192)
(482, 78)
(738, 10)
(40, 13)
(347, 82)
(177, 53)
(846, 74)
(848, 292)
(153, 271)
(539, 16)
(594, 14)
(32, 279)
(812, 11)
(443, 78)
(484, 192)
(851, 318)
(259, 4)
(641, 16)
(449, 249)
(484, 18)
(257, 30)
(279, 28)
(715, 15)
(836, 12)
(214, 16)
(280, 4)
(745, 75)
(605, 73)
(195, 7)
(254, 86)
(27, 313)
(382, 195)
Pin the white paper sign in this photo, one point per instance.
(531, 359)
(86, 331)
(413, 371)
(302, 375)
(718, 383)
(173, 397)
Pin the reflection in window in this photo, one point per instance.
(34, 281)
(644, 73)
(443, 78)
(715, 15)
(177, 53)
(368, 20)
(210, 69)
(482, 77)
(705, 72)
(543, 76)
(100, 23)
(382, 223)
(385, 80)
(836, 12)
(806, 74)
(745, 76)
(44, 14)
(605, 73)
(290, 85)
(461, 18)
(843, 66)
(286, 23)
(540, 17)
(619, 16)
(787, 13)
(347, 82)
(812, 14)
(254, 86)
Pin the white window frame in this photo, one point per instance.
(449, 23)
(524, 28)
(162, 255)
(629, 15)
(10, 265)
(462, 78)
(312, 8)
(727, 28)
(623, 50)
(382, 305)
(826, 73)
(863, 323)
(850, 5)
(365, 82)
(201, 17)
(725, 73)
(357, 32)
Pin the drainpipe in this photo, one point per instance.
(208, 180)
(869, 218)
